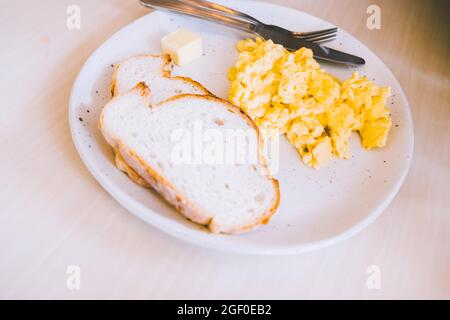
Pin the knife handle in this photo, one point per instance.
(226, 10)
(200, 12)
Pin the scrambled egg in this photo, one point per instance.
(289, 92)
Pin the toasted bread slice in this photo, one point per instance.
(228, 197)
(155, 72)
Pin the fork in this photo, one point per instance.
(243, 21)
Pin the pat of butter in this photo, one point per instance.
(183, 46)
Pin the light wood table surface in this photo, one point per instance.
(54, 214)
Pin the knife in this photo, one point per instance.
(320, 52)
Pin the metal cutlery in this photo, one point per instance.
(232, 18)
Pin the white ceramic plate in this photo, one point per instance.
(318, 208)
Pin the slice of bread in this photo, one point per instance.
(155, 72)
(228, 198)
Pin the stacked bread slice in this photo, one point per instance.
(155, 71)
(147, 107)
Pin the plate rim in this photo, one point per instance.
(202, 239)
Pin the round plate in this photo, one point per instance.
(318, 207)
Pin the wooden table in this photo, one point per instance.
(54, 214)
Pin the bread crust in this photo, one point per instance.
(132, 174)
(168, 191)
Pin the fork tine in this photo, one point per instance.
(317, 33)
(311, 37)
(323, 38)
